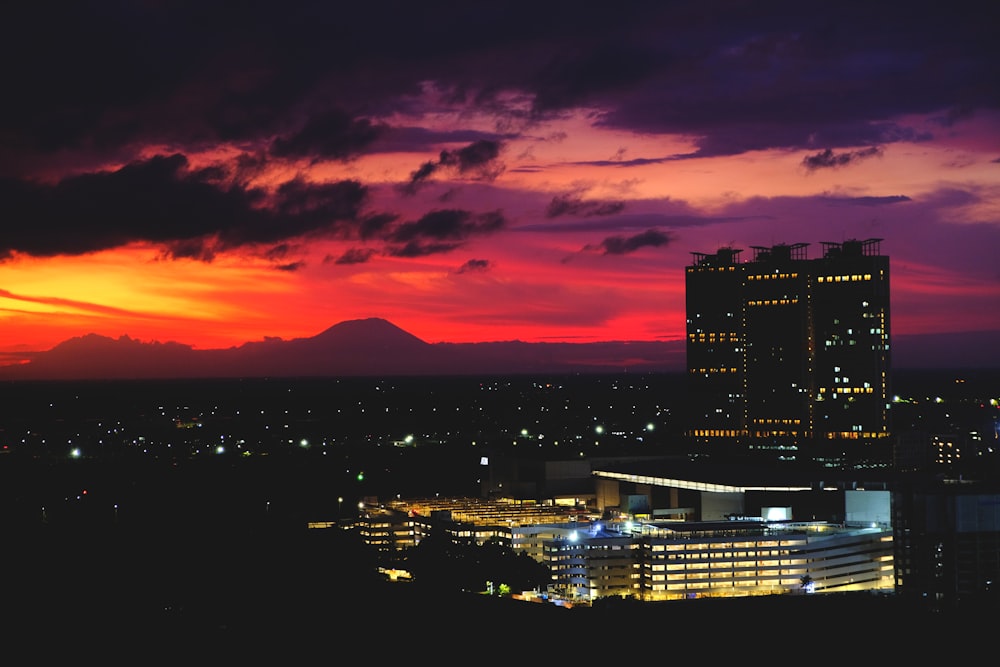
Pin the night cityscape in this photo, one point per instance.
(487, 332)
(205, 510)
(173, 509)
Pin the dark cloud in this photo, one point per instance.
(375, 225)
(303, 206)
(448, 224)
(355, 256)
(952, 117)
(201, 249)
(866, 201)
(635, 162)
(421, 249)
(420, 139)
(741, 137)
(418, 177)
(623, 245)
(791, 77)
(109, 79)
(333, 134)
(441, 231)
(474, 157)
(161, 200)
(291, 267)
(827, 158)
(588, 70)
(684, 217)
(479, 158)
(278, 252)
(475, 266)
(574, 205)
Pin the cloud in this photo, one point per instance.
(69, 304)
(685, 217)
(355, 256)
(827, 158)
(110, 82)
(414, 139)
(449, 224)
(162, 201)
(624, 245)
(291, 267)
(866, 201)
(479, 158)
(422, 248)
(571, 204)
(475, 266)
(375, 225)
(441, 231)
(576, 76)
(333, 134)
(418, 176)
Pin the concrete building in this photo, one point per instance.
(594, 552)
(788, 357)
(947, 542)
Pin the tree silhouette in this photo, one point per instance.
(440, 562)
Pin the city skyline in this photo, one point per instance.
(177, 173)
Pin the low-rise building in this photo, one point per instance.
(651, 560)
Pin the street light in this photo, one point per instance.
(340, 503)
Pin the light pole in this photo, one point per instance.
(340, 503)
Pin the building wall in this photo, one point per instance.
(947, 537)
(786, 352)
(655, 560)
(718, 506)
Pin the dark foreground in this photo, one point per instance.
(291, 596)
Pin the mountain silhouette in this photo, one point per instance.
(363, 347)
(376, 347)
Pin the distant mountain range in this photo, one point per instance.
(366, 347)
(376, 347)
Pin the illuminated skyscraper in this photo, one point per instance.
(789, 355)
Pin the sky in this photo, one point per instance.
(218, 173)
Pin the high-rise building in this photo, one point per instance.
(788, 355)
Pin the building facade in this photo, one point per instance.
(789, 356)
(590, 558)
(947, 542)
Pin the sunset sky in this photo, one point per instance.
(217, 173)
